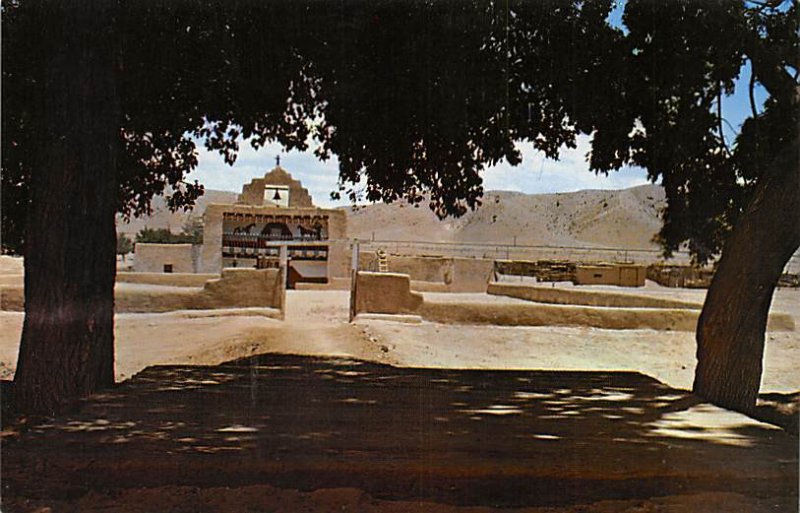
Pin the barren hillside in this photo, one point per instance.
(626, 218)
(163, 218)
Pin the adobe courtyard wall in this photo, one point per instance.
(385, 293)
(246, 288)
(235, 288)
(623, 275)
(211, 252)
(541, 314)
(561, 296)
(150, 257)
(166, 279)
(436, 273)
(391, 293)
(340, 255)
(334, 283)
(12, 280)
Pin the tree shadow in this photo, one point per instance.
(467, 437)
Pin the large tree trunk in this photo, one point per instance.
(67, 347)
(730, 332)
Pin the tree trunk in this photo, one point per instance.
(67, 347)
(730, 332)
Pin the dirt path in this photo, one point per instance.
(316, 324)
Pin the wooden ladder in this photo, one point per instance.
(383, 261)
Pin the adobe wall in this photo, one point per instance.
(340, 254)
(542, 270)
(211, 252)
(12, 298)
(152, 258)
(390, 293)
(562, 296)
(685, 276)
(622, 275)
(168, 279)
(435, 273)
(245, 288)
(470, 274)
(337, 223)
(387, 293)
(12, 280)
(235, 288)
(333, 284)
(538, 314)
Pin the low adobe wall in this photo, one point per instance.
(685, 276)
(436, 273)
(470, 274)
(159, 278)
(542, 270)
(515, 314)
(333, 284)
(236, 288)
(534, 314)
(12, 280)
(169, 279)
(152, 258)
(429, 286)
(390, 293)
(560, 296)
(247, 287)
(12, 298)
(622, 275)
(386, 293)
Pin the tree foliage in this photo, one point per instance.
(418, 98)
(124, 244)
(165, 236)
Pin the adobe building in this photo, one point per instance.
(273, 215)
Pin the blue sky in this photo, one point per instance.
(535, 174)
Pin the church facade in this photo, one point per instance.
(273, 219)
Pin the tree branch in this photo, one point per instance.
(719, 118)
(768, 69)
(752, 93)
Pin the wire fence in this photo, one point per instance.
(522, 252)
(544, 252)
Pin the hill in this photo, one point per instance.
(627, 218)
(174, 221)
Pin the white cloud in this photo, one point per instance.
(536, 174)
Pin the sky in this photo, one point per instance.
(536, 174)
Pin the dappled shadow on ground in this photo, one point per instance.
(499, 438)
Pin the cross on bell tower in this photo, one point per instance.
(277, 161)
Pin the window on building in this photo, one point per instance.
(167, 268)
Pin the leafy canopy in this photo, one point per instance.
(417, 98)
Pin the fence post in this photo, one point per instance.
(283, 276)
(353, 281)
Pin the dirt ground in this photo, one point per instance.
(316, 324)
(292, 433)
